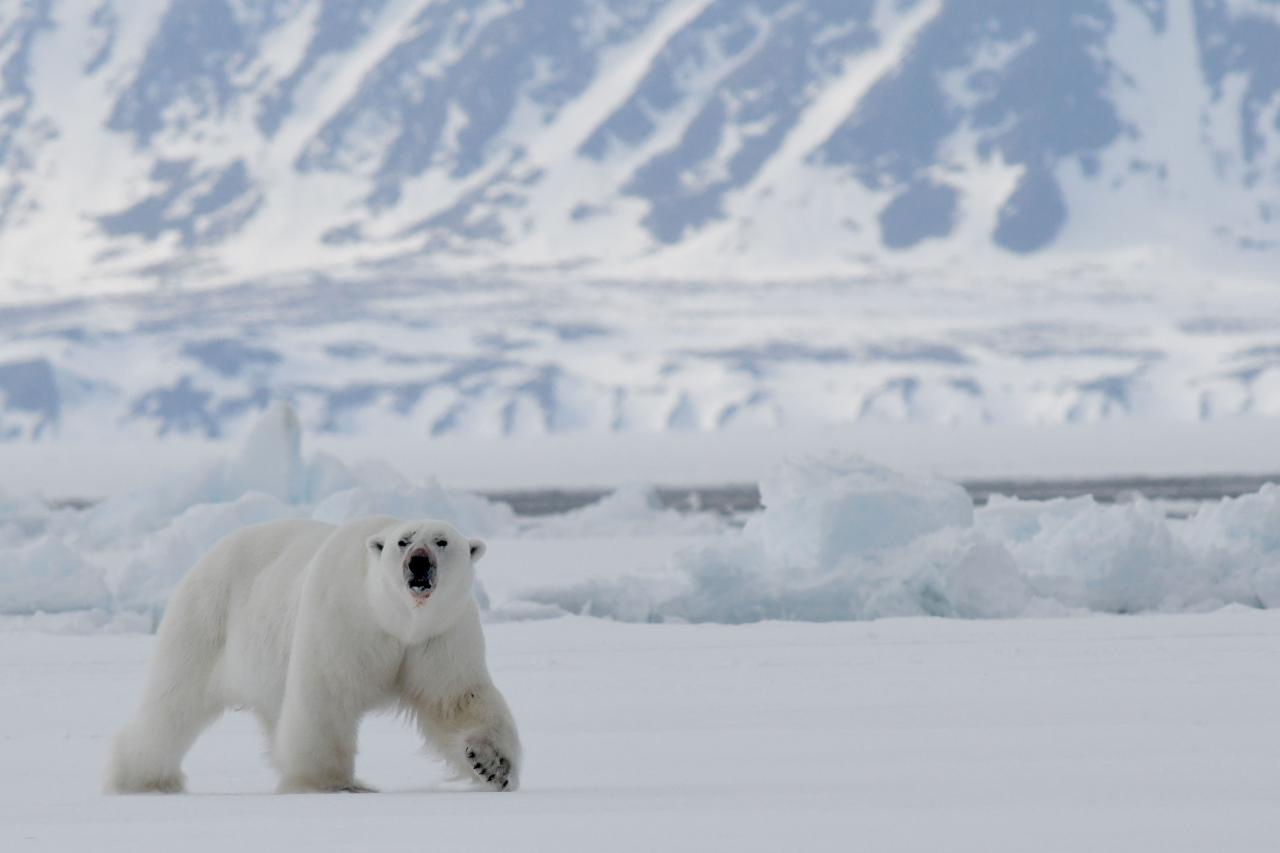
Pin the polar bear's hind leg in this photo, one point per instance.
(180, 700)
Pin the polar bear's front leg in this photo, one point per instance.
(476, 734)
(445, 684)
(315, 736)
(315, 745)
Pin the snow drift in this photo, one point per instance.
(129, 552)
(838, 538)
(47, 575)
(846, 539)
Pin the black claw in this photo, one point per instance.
(477, 766)
(491, 775)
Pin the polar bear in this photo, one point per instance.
(311, 626)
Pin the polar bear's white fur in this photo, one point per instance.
(311, 626)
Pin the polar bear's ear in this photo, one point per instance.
(477, 549)
(375, 544)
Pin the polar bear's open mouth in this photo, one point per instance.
(420, 573)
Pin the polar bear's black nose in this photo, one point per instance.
(420, 570)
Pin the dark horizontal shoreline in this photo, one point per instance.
(738, 498)
(745, 497)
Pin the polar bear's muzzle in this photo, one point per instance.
(420, 573)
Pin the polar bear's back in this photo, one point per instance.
(228, 573)
(235, 610)
(225, 577)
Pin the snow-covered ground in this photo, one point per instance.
(1138, 733)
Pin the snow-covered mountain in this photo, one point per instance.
(401, 361)
(948, 199)
(186, 141)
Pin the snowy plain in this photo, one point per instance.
(1137, 733)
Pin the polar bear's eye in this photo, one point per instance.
(442, 543)
(403, 543)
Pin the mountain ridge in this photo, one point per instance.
(203, 140)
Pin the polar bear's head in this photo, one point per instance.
(424, 561)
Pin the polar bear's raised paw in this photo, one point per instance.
(490, 766)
